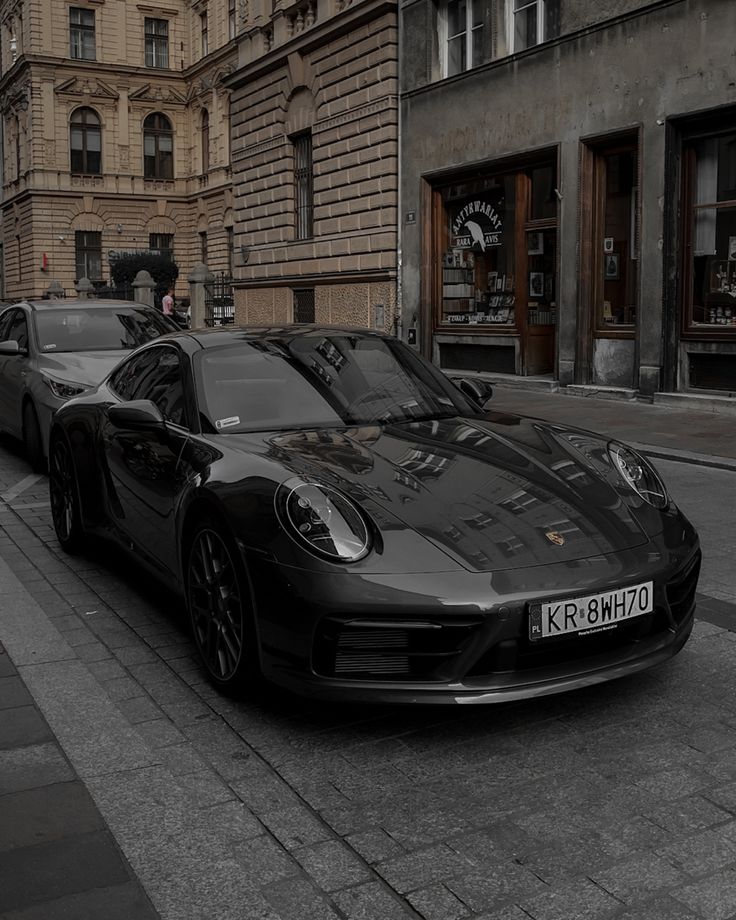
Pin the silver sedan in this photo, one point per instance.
(51, 350)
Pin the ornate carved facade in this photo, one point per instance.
(115, 122)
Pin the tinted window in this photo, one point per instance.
(5, 320)
(306, 381)
(18, 330)
(154, 374)
(98, 328)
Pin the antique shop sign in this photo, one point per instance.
(477, 224)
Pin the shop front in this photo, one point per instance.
(490, 269)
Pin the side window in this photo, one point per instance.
(18, 331)
(5, 320)
(126, 377)
(161, 382)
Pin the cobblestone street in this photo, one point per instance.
(614, 801)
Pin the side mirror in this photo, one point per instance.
(11, 347)
(475, 388)
(137, 415)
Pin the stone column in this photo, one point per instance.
(198, 278)
(143, 286)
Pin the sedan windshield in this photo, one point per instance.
(320, 380)
(97, 328)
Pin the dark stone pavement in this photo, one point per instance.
(58, 858)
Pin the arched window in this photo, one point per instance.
(85, 142)
(158, 147)
(205, 140)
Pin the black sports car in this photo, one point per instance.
(347, 521)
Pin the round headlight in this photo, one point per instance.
(327, 521)
(639, 474)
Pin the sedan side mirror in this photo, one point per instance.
(475, 388)
(11, 347)
(137, 415)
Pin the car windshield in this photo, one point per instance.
(320, 380)
(97, 328)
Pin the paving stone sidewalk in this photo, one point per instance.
(58, 858)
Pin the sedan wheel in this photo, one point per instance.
(64, 497)
(32, 439)
(220, 609)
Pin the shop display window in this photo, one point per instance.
(478, 277)
(710, 291)
(617, 263)
(541, 266)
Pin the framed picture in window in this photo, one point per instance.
(536, 284)
(536, 243)
(732, 249)
(611, 272)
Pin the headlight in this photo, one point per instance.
(639, 475)
(63, 390)
(324, 519)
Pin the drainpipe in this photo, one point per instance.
(399, 319)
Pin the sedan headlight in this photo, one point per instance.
(324, 519)
(639, 474)
(61, 389)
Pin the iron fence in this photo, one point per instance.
(219, 306)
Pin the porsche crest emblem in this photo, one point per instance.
(555, 537)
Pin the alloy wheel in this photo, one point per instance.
(216, 605)
(62, 492)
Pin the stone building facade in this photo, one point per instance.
(568, 196)
(314, 119)
(115, 122)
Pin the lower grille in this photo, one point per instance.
(394, 649)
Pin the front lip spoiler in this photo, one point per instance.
(461, 694)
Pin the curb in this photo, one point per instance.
(685, 456)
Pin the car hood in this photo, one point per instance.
(493, 493)
(87, 368)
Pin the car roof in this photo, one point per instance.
(67, 304)
(218, 336)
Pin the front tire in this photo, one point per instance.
(32, 440)
(220, 608)
(64, 496)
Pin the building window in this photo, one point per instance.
(81, 33)
(533, 21)
(203, 27)
(303, 179)
(205, 140)
(162, 243)
(158, 147)
(304, 305)
(88, 254)
(203, 246)
(709, 271)
(615, 257)
(232, 23)
(464, 28)
(85, 142)
(230, 249)
(157, 42)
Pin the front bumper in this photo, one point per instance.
(461, 637)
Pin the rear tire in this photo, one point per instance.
(220, 608)
(32, 439)
(64, 495)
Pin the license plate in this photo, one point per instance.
(593, 613)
